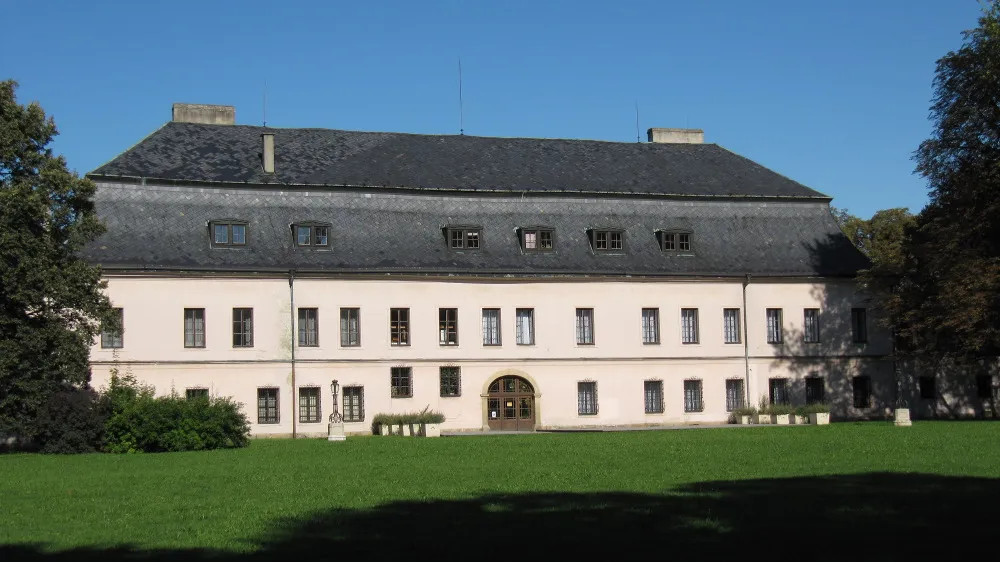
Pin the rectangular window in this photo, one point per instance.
(684, 242)
(312, 235)
(448, 326)
(669, 241)
(535, 240)
(242, 327)
(731, 325)
(651, 325)
(194, 327)
(585, 326)
(267, 405)
(734, 394)
(309, 404)
(526, 326)
(692, 396)
(308, 327)
(196, 393)
(608, 240)
(111, 338)
(775, 332)
(354, 403)
(653, 391)
(859, 325)
(491, 326)
(229, 234)
(984, 387)
(586, 398)
(927, 388)
(399, 326)
(862, 392)
(463, 238)
(689, 325)
(815, 390)
(675, 241)
(350, 327)
(810, 325)
(451, 381)
(402, 382)
(778, 390)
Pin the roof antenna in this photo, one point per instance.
(637, 121)
(265, 102)
(461, 111)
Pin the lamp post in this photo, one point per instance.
(336, 427)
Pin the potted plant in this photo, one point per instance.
(761, 414)
(430, 423)
(382, 424)
(743, 415)
(819, 413)
(780, 413)
(800, 416)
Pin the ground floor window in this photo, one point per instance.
(778, 390)
(692, 396)
(862, 392)
(195, 393)
(451, 381)
(734, 394)
(354, 403)
(267, 405)
(401, 382)
(586, 398)
(927, 388)
(654, 397)
(309, 404)
(815, 390)
(984, 387)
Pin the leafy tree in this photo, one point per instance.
(949, 294)
(51, 301)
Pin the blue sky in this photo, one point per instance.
(832, 94)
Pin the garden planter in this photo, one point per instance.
(385, 429)
(902, 417)
(432, 430)
(762, 419)
(800, 420)
(743, 420)
(779, 419)
(821, 418)
(405, 430)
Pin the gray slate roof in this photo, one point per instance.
(158, 226)
(188, 152)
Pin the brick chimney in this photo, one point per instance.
(207, 114)
(676, 136)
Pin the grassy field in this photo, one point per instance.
(867, 491)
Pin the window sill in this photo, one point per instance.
(394, 397)
(586, 415)
(526, 344)
(655, 413)
(584, 344)
(650, 343)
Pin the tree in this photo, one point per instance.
(51, 301)
(949, 293)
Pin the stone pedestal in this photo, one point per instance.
(902, 417)
(336, 432)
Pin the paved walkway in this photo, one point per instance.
(602, 429)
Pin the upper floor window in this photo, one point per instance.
(731, 325)
(585, 326)
(651, 325)
(775, 334)
(315, 235)
(229, 233)
(194, 327)
(689, 325)
(464, 238)
(448, 326)
(607, 240)
(675, 241)
(399, 326)
(242, 327)
(859, 325)
(536, 239)
(810, 327)
(111, 331)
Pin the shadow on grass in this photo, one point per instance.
(879, 516)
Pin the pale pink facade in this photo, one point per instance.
(618, 360)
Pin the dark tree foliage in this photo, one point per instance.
(51, 301)
(949, 295)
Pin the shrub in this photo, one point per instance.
(780, 409)
(817, 408)
(139, 422)
(424, 416)
(71, 421)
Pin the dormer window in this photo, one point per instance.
(315, 235)
(537, 239)
(463, 238)
(228, 233)
(607, 240)
(675, 241)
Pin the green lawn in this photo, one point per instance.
(871, 488)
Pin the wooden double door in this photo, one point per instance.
(510, 405)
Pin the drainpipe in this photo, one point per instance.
(291, 322)
(746, 340)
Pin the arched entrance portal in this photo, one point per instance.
(510, 404)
